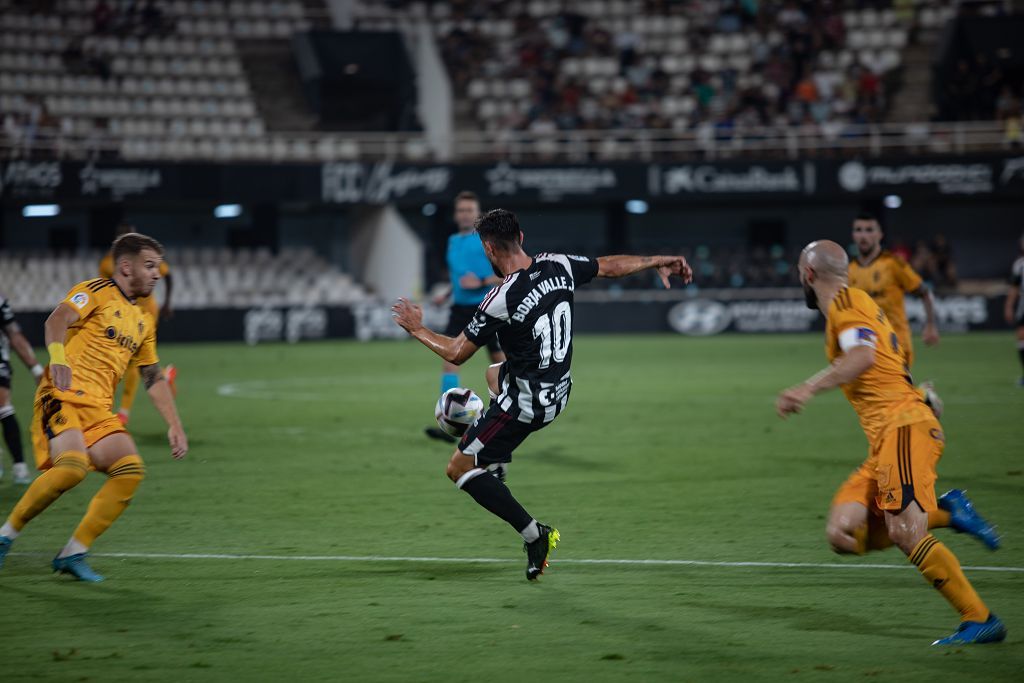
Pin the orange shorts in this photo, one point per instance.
(52, 416)
(900, 469)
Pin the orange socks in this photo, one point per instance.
(123, 477)
(938, 519)
(872, 536)
(942, 570)
(69, 469)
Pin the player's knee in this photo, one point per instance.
(492, 378)
(905, 534)
(458, 466)
(840, 540)
(70, 468)
(128, 468)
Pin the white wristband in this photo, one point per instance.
(37, 370)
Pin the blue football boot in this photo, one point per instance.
(5, 547)
(991, 630)
(77, 567)
(963, 518)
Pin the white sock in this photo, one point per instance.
(9, 531)
(531, 533)
(72, 548)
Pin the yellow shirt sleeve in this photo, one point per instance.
(164, 269)
(146, 355)
(854, 310)
(906, 277)
(84, 297)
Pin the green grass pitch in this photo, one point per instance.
(669, 450)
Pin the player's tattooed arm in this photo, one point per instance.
(160, 393)
(151, 374)
(621, 266)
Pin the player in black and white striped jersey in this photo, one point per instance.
(12, 336)
(1015, 304)
(532, 313)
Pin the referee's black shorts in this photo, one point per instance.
(458, 319)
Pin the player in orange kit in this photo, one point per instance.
(91, 336)
(149, 304)
(887, 278)
(890, 499)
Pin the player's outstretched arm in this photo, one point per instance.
(160, 393)
(621, 266)
(455, 350)
(24, 350)
(166, 312)
(846, 368)
(930, 333)
(55, 331)
(1011, 304)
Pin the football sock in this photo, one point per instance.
(531, 533)
(492, 495)
(942, 570)
(938, 519)
(12, 432)
(449, 380)
(131, 386)
(123, 477)
(69, 469)
(872, 535)
(1020, 352)
(73, 547)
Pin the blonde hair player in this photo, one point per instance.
(890, 498)
(91, 336)
(147, 303)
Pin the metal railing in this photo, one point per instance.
(577, 146)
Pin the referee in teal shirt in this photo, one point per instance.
(471, 278)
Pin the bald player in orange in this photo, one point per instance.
(149, 304)
(890, 498)
(92, 336)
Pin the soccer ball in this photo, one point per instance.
(456, 410)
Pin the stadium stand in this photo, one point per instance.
(99, 81)
(204, 278)
(534, 80)
(553, 65)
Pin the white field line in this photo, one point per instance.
(497, 560)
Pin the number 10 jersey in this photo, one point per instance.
(532, 314)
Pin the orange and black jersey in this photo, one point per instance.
(110, 331)
(884, 395)
(886, 278)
